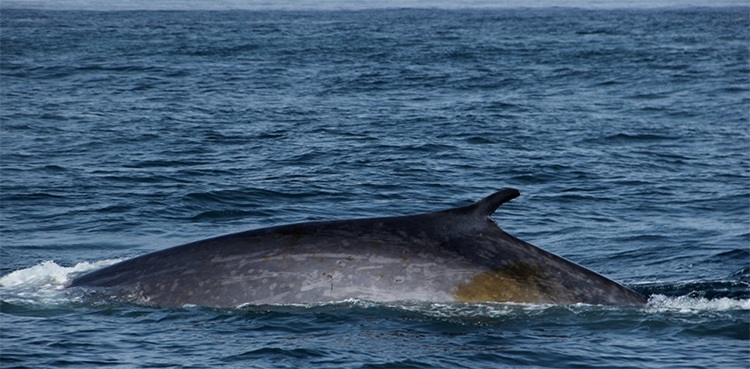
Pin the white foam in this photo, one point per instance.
(687, 304)
(471, 310)
(427, 308)
(44, 282)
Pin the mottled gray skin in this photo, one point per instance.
(428, 257)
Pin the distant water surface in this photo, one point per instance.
(626, 130)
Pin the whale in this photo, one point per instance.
(454, 255)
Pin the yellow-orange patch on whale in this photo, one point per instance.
(520, 282)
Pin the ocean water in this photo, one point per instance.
(627, 132)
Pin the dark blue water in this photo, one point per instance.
(627, 132)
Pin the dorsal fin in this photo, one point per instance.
(486, 206)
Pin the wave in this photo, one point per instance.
(689, 304)
(44, 284)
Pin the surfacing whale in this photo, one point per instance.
(457, 254)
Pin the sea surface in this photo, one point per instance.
(627, 132)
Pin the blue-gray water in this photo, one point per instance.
(627, 132)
